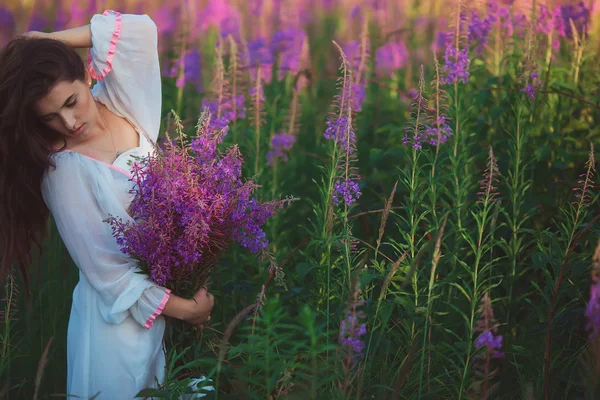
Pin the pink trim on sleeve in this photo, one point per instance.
(111, 50)
(156, 313)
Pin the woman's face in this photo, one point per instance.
(69, 109)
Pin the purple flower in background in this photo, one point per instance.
(78, 15)
(256, 7)
(289, 45)
(390, 57)
(231, 26)
(351, 330)
(257, 92)
(166, 21)
(491, 342)
(551, 23)
(340, 130)
(416, 126)
(192, 72)
(500, 13)
(229, 111)
(281, 144)
(592, 311)
(456, 65)
(532, 85)
(352, 52)
(7, 26)
(440, 41)
(580, 15)
(37, 22)
(488, 329)
(438, 132)
(260, 54)
(214, 14)
(545, 21)
(358, 94)
(347, 190)
(357, 14)
(479, 31)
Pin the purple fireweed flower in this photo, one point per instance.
(532, 85)
(456, 65)
(259, 54)
(479, 31)
(37, 22)
(488, 339)
(255, 92)
(166, 21)
(491, 343)
(340, 130)
(358, 94)
(441, 38)
(390, 57)
(216, 14)
(289, 45)
(192, 70)
(580, 15)
(592, 312)
(551, 24)
(77, 15)
(281, 144)
(7, 26)
(228, 109)
(438, 132)
(352, 52)
(347, 190)
(500, 13)
(416, 126)
(351, 330)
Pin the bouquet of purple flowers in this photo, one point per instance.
(190, 203)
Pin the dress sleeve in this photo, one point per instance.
(79, 195)
(124, 60)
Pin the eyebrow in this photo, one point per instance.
(68, 100)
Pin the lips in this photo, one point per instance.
(78, 130)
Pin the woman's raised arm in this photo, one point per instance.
(80, 37)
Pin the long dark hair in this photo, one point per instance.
(29, 68)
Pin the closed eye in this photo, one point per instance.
(71, 104)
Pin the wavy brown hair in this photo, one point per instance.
(29, 68)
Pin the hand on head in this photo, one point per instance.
(35, 34)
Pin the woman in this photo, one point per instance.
(66, 149)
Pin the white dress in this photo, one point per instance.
(115, 334)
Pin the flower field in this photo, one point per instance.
(443, 238)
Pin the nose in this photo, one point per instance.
(68, 118)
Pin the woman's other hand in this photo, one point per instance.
(200, 308)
